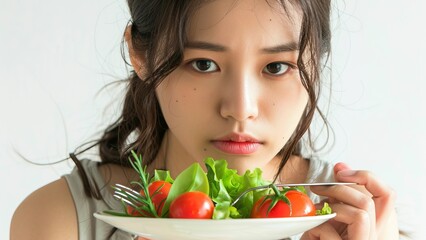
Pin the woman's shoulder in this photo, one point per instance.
(47, 213)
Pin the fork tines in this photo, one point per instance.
(127, 195)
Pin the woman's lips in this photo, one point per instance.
(232, 147)
(237, 144)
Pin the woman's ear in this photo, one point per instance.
(135, 59)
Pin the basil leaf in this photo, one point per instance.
(191, 179)
(162, 175)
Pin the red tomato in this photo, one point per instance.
(260, 209)
(132, 211)
(158, 191)
(192, 205)
(301, 205)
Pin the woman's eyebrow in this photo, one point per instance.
(206, 46)
(286, 47)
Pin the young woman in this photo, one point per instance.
(230, 79)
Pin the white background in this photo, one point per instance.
(55, 56)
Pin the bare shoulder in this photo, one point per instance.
(48, 213)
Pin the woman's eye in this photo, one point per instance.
(276, 68)
(204, 65)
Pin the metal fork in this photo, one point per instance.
(127, 195)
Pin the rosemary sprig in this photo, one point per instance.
(140, 202)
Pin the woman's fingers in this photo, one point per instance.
(340, 166)
(324, 231)
(353, 208)
(382, 195)
(365, 211)
(358, 221)
(350, 223)
(347, 195)
(365, 178)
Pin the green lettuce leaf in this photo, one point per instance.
(325, 210)
(226, 185)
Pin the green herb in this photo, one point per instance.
(326, 209)
(142, 203)
(191, 179)
(276, 197)
(162, 175)
(226, 185)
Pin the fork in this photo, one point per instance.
(289, 185)
(127, 195)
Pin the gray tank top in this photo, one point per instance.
(89, 228)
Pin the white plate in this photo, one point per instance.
(186, 229)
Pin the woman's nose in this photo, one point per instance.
(240, 98)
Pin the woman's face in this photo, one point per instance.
(237, 94)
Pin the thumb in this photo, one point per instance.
(339, 167)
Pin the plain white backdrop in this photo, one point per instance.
(55, 56)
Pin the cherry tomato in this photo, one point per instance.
(132, 211)
(158, 191)
(260, 209)
(301, 205)
(192, 205)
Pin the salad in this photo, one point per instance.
(197, 194)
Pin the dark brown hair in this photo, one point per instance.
(158, 31)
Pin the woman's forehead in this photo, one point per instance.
(225, 20)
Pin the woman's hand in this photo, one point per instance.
(364, 212)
